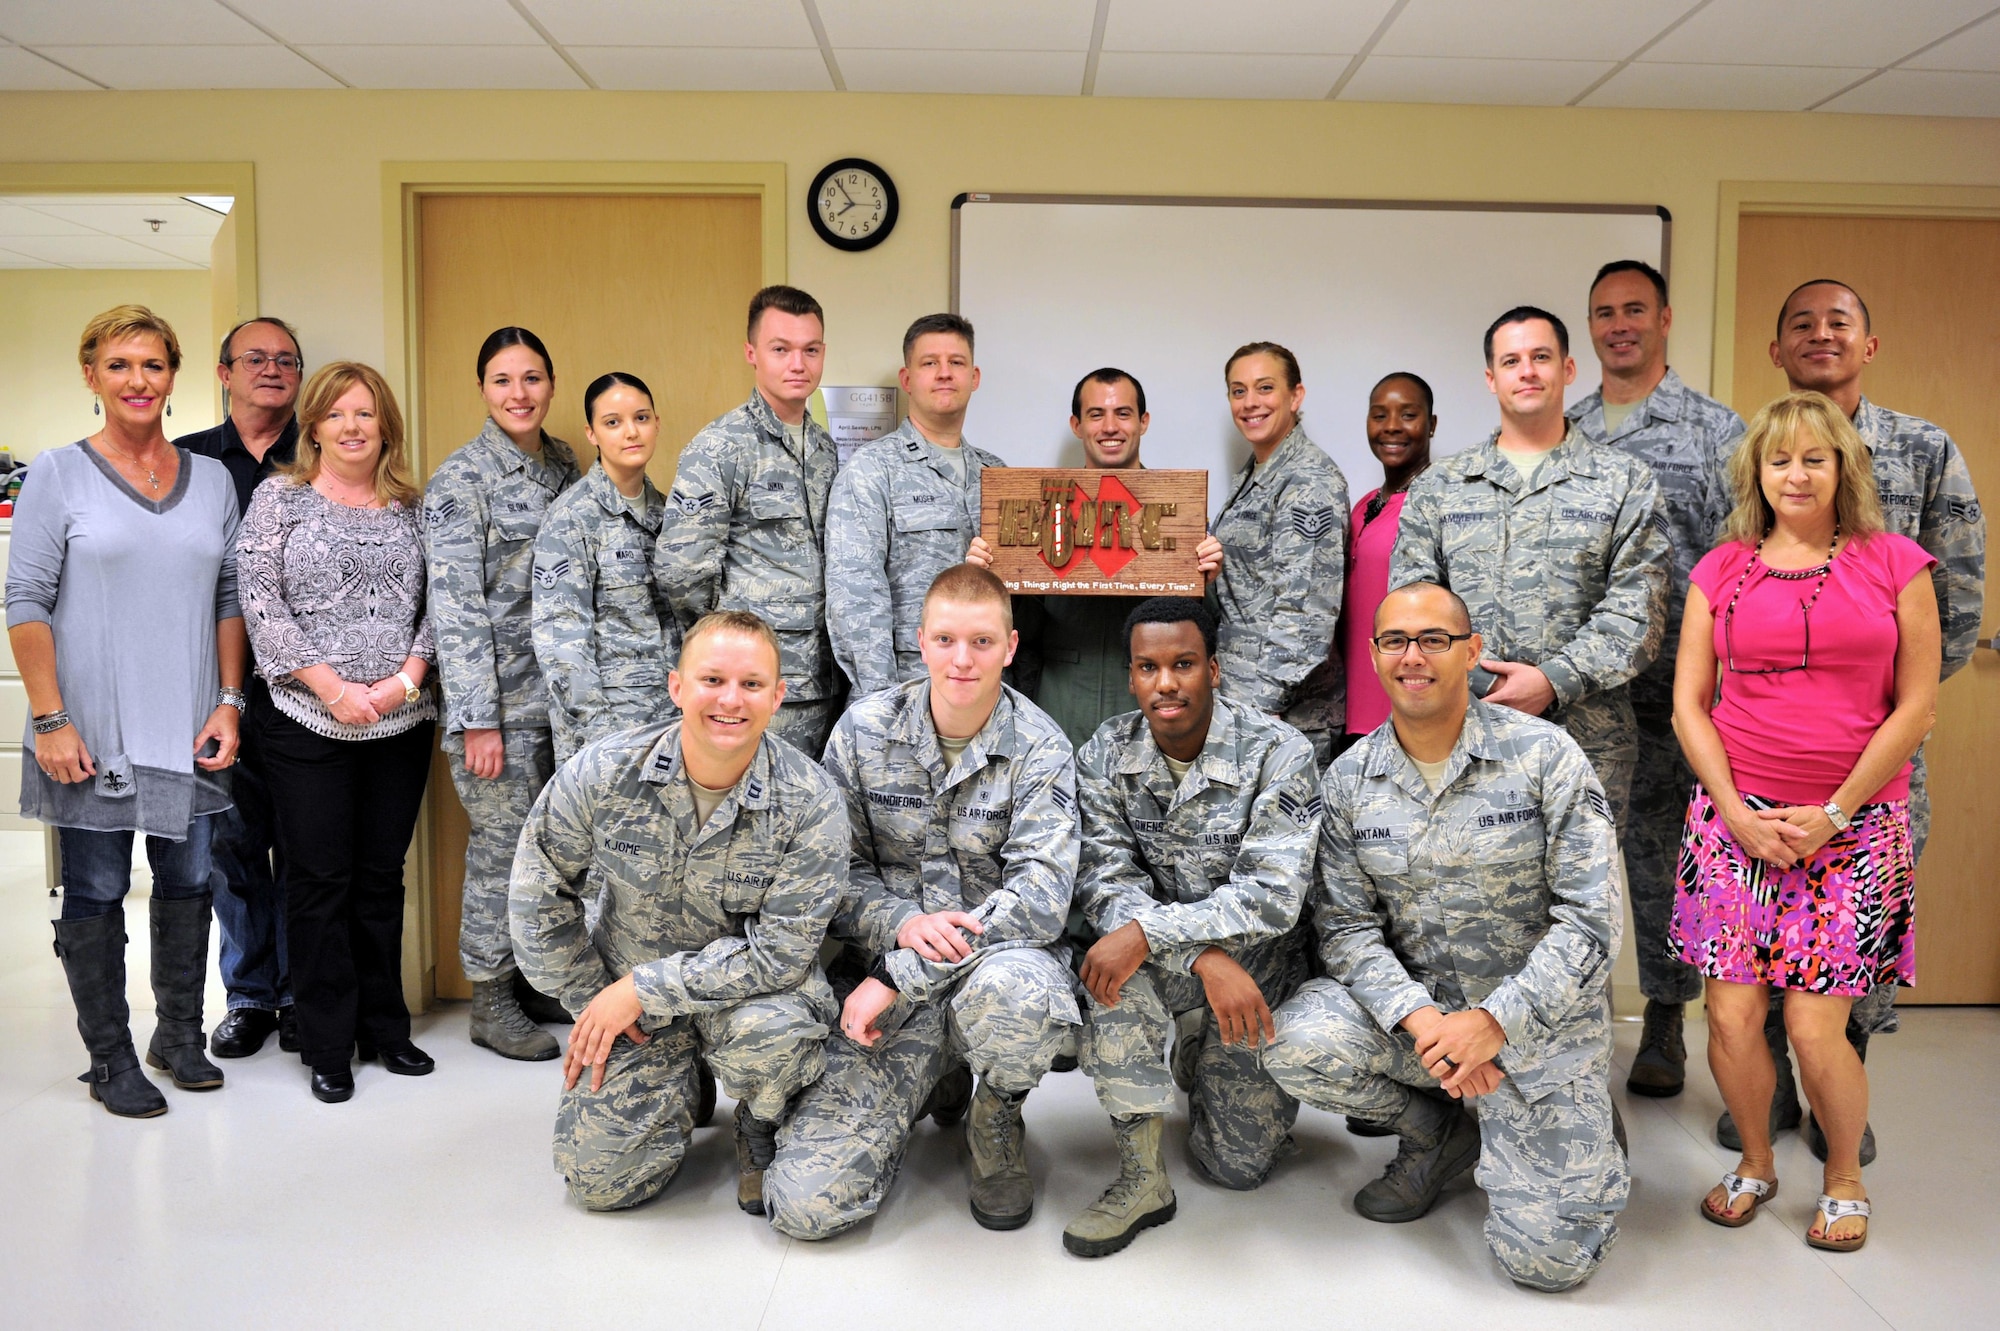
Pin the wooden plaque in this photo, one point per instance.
(1081, 532)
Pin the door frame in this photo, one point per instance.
(1739, 198)
(404, 186)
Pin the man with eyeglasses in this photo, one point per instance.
(1559, 546)
(260, 369)
(1468, 907)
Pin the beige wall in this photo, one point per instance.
(43, 403)
(318, 155)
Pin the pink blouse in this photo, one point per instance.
(1794, 737)
(1367, 584)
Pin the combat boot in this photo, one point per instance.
(1785, 1111)
(180, 968)
(1189, 1028)
(93, 958)
(1003, 1196)
(1439, 1142)
(1660, 1067)
(538, 1006)
(756, 1148)
(499, 1024)
(704, 1093)
(949, 1098)
(1141, 1197)
(1816, 1140)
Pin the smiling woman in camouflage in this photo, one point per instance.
(482, 512)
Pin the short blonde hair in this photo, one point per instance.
(969, 584)
(123, 321)
(1817, 419)
(393, 483)
(733, 621)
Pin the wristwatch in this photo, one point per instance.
(1835, 815)
(411, 693)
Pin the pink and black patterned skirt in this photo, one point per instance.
(1842, 923)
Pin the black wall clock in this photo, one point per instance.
(852, 204)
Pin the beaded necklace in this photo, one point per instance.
(1822, 572)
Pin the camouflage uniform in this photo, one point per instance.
(1284, 568)
(1687, 440)
(898, 519)
(603, 635)
(1927, 496)
(482, 510)
(746, 530)
(1498, 891)
(719, 926)
(995, 836)
(1221, 860)
(1569, 574)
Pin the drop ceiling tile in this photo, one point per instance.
(1396, 78)
(91, 252)
(19, 221)
(1185, 74)
(194, 250)
(23, 71)
(1300, 27)
(134, 219)
(750, 23)
(49, 201)
(1923, 92)
(1044, 73)
(704, 69)
(193, 66)
(447, 66)
(1976, 50)
(9, 259)
(1722, 87)
(122, 23)
(961, 25)
(1529, 29)
(392, 22)
(1812, 32)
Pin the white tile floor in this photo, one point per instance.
(430, 1202)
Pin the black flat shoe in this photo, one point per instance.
(409, 1061)
(243, 1032)
(333, 1087)
(288, 1029)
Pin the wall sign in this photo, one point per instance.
(1080, 532)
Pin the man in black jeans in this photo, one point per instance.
(260, 368)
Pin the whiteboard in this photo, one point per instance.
(1056, 286)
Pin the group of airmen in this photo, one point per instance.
(775, 759)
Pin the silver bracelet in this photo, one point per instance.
(52, 722)
(232, 698)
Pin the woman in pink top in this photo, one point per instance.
(1400, 427)
(1796, 874)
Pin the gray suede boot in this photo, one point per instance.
(180, 971)
(1439, 1142)
(1141, 1197)
(499, 1024)
(1003, 1196)
(93, 958)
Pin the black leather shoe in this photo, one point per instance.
(243, 1032)
(288, 1029)
(333, 1086)
(409, 1061)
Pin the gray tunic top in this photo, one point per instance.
(132, 590)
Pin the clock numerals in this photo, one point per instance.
(854, 205)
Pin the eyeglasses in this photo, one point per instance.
(1432, 642)
(1729, 643)
(255, 361)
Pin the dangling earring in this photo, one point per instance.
(170, 406)
(96, 406)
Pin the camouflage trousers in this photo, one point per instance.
(632, 709)
(1239, 1120)
(620, 1145)
(1661, 786)
(1554, 1177)
(495, 811)
(1007, 1017)
(806, 725)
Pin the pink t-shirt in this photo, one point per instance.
(1794, 737)
(1367, 584)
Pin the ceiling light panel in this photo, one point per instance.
(962, 25)
(704, 69)
(392, 22)
(1868, 33)
(1529, 29)
(745, 23)
(1298, 27)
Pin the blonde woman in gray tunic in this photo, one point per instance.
(122, 615)
(482, 511)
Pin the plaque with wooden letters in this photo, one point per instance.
(1080, 532)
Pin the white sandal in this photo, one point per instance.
(1735, 1186)
(1836, 1209)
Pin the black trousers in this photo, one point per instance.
(345, 812)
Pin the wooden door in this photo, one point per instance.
(654, 285)
(1931, 286)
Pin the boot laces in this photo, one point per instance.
(1131, 1178)
(1656, 1027)
(1001, 1127)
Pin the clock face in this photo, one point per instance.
(853, 204)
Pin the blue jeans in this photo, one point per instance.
(97, 867)
(249, 894)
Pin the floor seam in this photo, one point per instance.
(783, 1256)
